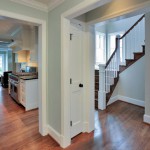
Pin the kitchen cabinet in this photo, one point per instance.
(29, 93)
(21, 56)
(34, 45)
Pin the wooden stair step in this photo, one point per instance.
(122, 68)
(96, 72)
(112, 87)
(96, 103)
(129, 62)
(96, 78)
(96, 86)
(96, 94)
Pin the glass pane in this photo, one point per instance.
(100, 48)
(112, 45)
(1, 64)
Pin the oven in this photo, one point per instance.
(14, 89)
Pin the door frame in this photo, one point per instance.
(83, 7)
(42, 59)
(88, 71)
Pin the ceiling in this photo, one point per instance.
(44, 5)
(9, 27)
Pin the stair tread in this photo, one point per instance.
(138, 53)
(129, 59)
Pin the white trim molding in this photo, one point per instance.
(42, 61)
(39, 5)
(79, 9)
(127, 100)
(112, 100)
(132, 100)
(146, 119)
(54, 134)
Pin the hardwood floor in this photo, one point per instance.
(120, 127)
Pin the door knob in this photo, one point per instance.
(80, 85)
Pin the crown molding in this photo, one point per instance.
(38, 5)
(54, 4)
(32, 4)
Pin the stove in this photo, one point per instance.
(14, 80)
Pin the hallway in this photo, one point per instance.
(120, 127)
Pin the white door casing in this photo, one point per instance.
(76, 79)
(42, 61)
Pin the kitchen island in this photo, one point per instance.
(23, 88)
(29, 93)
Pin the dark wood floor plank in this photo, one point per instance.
(120, 127)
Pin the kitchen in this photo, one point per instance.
(23, 81)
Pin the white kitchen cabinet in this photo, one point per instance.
(29, 93)
(21, 56)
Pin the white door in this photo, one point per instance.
(76, 83)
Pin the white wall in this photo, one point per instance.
(147, 65)
(121, 26)
(132, 81)
(131, 84)
(54, 63)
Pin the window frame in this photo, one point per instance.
(3, 63)
(122, 61)
(104, 48)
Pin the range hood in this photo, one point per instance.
(22, 41)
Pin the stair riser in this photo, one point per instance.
(96, 94)
(96, 104)
(96, 78)
(138, 56)
(96, 86)
(96, 72)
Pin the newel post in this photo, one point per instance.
(118, 49)
(102, 91)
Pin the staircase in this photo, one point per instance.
(129, 62)
(134, 50)
(96, 87)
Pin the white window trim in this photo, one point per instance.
(103, 34)
(123, 45)
(3, 62)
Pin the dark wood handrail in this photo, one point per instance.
(120, 39)
(132, 27)
(113, 53)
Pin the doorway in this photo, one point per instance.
(65, 88)
(41, 63)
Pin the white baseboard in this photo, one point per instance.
(146, 119)
(85, 126)
(126, 99)
(132, 100)
(54, 134)
(64, 142)
(112, 100)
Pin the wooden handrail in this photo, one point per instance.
(120, 39)
(132, 27)
(112, 53)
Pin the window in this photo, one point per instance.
(100, 48)
(1, 64)
(112, 45)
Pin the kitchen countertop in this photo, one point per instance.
(29, 77)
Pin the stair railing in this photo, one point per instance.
(134, 39)
(112, 66)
